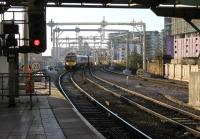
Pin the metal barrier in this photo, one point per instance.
(26, 85)
(3, 84)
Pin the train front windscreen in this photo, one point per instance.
(70, 62)
(70, 58)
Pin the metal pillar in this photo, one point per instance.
(94, 55)
(111, 55)
(77, 30)
(12, 80)
(26, 42)
(127, 51)
(56, 33)
(54, 48)
(127, 71)
(144, 48)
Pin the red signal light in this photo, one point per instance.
(36, 42)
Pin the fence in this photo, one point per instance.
(179, 72)
(39, 80)
(155, 67)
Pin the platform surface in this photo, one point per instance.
(51, 117)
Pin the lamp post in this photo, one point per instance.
(144, 48)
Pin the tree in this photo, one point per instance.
(135, 60)
(158, 53)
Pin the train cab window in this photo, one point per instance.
(70, 58)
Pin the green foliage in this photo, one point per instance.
(120, 66)
(158, 54)
(135, 60)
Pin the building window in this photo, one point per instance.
(174, 46)
(196, 51)
(186, 45)
(196, 38)
(186, 51)
(175, 52)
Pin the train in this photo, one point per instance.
(74, 61)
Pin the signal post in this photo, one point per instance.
(34, 42)
(37, 26)
(10, 50)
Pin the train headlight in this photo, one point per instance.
(66, 63)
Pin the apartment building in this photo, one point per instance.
(153, 44)
(186, 39)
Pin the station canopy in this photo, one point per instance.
(108, 3)
(170, 8)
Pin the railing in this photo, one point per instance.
(41, 84)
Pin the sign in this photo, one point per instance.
(140, 72)
(29, 87)
(11, 58)
(35, 67)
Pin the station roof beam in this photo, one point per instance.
(185, 12)
(4, 7)
(105, 3)
(171, 8)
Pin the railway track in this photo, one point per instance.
(158, 81)
(105, 121)
(176, 96)
(165, 112)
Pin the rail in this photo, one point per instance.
(135, 131)
(181, 84)
(109, 111)
(184, 113)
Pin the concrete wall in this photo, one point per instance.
(179, 72)
(194, 89)
(171, 71)
(194, 68)
(185, 72)
(155, 67)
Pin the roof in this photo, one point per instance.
(106, 3)
(170, 8)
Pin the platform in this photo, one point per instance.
(51, 117)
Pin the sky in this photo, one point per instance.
(153, 22)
